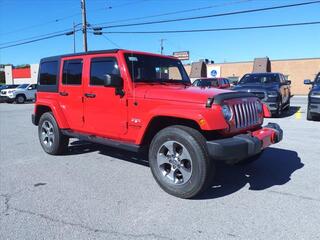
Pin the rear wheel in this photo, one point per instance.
(20, 99)
(50, 136)
(179, 161)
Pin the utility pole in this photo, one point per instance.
(84, 25)
(74, 37)
(161, 45)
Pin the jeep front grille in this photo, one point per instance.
(245, 114)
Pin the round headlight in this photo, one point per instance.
(227, 114)
(259, 107)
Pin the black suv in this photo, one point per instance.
(272, 88)
(314, 98)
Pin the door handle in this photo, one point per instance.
(90, 95)
(63, 94)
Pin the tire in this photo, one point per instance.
(179, 161)
(287, 105)
(20, 99)
(278, 112)
(309, 115)
(250, 159)
(51, 139)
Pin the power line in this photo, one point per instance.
(112, 42)
(36, 40)
(213, 15)
(67, 17)
(41, 24)
(214, 29)
(37, 36)
(175, 12)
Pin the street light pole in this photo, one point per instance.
(74, 37)
(84, 25)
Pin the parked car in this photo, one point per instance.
(313, 111)
(222, 83)
(133, 100)
(20, 94)
(272, 88)
(5, 89)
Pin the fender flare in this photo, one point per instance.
(56, 111)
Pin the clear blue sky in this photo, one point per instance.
(23, 19)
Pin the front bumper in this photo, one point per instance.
(314, 105)
(273, 106)
(6, 98)
(240, 147)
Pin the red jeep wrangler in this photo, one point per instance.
(129, 100)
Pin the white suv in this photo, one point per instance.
(20, 94)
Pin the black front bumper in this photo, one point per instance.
(314, 105)
(240, 147)
(273, 106)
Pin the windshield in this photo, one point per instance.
(259, 78)
(146, 68)
(317, 80)
(23, 86)
(207, 83)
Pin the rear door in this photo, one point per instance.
(105, 112)
(71, 91)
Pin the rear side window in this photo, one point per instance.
(72, 72)
(48, 73)
(100, 67)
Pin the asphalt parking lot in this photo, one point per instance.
(95, 192)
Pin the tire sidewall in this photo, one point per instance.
(198, 158)
(22, 97)
(54, 148)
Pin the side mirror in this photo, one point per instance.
(289, 82)
(29, 88)
(307, 81)
(112, 80)
(116, 82)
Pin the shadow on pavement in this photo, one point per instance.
(293, 110)
(80, 147)
(274, 167)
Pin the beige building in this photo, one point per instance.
(295, 70)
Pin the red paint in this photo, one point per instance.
(21, 73)
(128, 118)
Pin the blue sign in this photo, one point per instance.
(214, 73)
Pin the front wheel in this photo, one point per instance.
(20, 99)
(179, 161)
(50, 136)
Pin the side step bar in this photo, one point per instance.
(100, 140)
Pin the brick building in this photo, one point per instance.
(295, 70)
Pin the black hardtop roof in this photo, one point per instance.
(52, 58)
(263, 73)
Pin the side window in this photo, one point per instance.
(72, 72)
(100, 67)
(48, 73)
